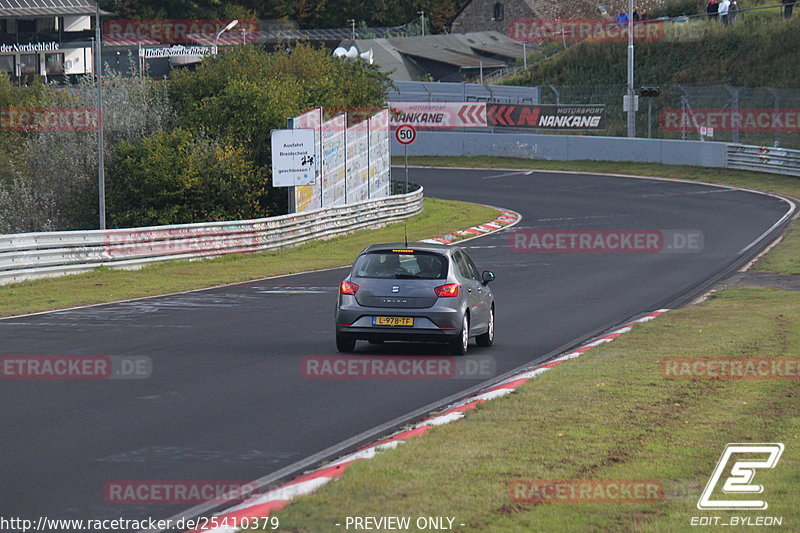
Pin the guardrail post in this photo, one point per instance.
(776, 98)
(734, 92)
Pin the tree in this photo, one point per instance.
(243, 94)
(180, 177)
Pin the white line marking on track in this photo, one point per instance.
(507, 174)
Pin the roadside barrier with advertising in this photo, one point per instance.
(448, 115)
(355, 162)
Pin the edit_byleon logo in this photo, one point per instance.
(749, 458)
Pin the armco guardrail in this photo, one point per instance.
(764, 159)
(566, 148)
(597, 148)
(34, 255)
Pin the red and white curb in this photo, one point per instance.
(507, 218)
(261, 505)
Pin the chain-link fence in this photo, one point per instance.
(761, 116)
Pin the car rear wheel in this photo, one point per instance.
(345, 344)
(459, 345)
(487, 338)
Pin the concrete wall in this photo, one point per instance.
(567, 148)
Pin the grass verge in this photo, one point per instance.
(607, 415)
(107, 285)
(610, 414)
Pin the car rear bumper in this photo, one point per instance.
(375, 334)
(439, 323)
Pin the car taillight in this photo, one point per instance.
(447, 291)
(345, 287)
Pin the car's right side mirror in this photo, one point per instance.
(487, 276)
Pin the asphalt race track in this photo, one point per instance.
(227, 399)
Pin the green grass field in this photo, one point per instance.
(607, 415)
(107, 285)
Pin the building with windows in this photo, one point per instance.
(50, 38)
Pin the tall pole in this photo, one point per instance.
(524, 54)
(422, 16)
(98, 70)
(631, 111)
(405, 148)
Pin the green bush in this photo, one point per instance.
(181, 177)
(244, 93)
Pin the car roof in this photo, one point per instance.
(421, 246)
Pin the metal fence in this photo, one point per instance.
(35, 255)
(761, 116)
(422, 91)
(721, 112)
(764, 159)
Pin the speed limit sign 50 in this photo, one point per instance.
(405, 134)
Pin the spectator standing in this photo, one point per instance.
(733, 11)
(712, 8)
(622, 18)
(723, 11)
(788, 5)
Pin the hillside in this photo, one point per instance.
(756, 52)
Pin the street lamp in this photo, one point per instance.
(422, 16)
(98, 72)
(631, 100)
(230, 25)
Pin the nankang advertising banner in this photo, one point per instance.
(548, 117)
(438, 115)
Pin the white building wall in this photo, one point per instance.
(77, 23)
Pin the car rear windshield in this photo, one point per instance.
(394, 265)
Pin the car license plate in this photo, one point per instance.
(393, 321)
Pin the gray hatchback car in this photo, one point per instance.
(415, 292)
